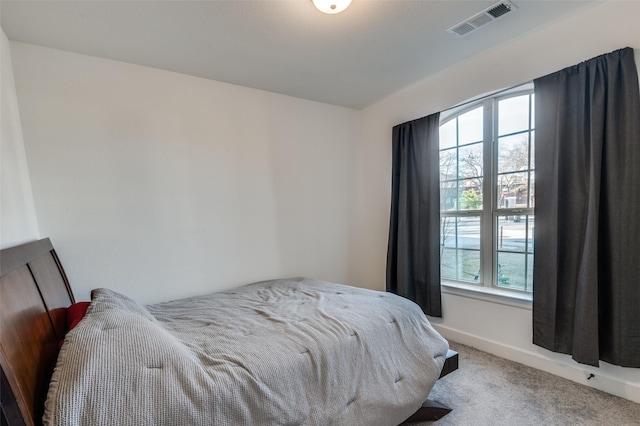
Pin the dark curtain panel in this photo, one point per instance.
(413, 256)
(586, 296)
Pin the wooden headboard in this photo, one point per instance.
(34, 296)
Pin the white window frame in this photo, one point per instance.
(486, 288)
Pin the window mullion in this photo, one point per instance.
(487, 221)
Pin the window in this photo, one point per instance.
(487, 173)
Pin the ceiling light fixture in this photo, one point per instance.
(331, 6)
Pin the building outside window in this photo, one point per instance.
(487, 192)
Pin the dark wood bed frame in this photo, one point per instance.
(34, 297)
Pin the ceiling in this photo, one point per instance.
(352, 59)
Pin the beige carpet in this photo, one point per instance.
(488, 390)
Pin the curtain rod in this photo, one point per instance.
(489, 95)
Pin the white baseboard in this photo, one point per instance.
(554, 364)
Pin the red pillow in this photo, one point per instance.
(75, 313)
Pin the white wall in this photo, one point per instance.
(497, 328)
(162, 185)
(18, 222)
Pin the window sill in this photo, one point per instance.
(488, 294)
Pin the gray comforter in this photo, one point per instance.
(282, 352)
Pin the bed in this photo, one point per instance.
(295, 351)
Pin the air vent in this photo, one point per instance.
(499, 9)
(481, 19)
(462, 29)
